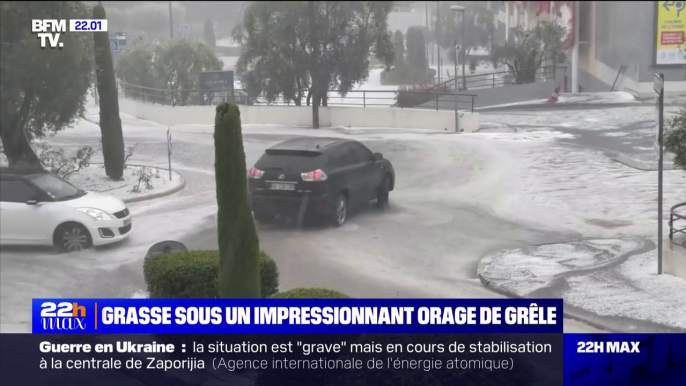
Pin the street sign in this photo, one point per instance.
(167, 246)
(114, 44)
(216, 80)
(658, 84)
(156, 42)
(185, 28)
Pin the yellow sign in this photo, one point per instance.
(671, 32)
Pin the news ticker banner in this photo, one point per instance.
(518, 359)
(294, 316)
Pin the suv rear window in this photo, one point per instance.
(293, 153)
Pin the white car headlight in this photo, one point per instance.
(96, 214)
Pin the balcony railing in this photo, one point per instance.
(677, 224)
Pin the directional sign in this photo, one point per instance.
(169, 141)
(185, 28)
(658, 84)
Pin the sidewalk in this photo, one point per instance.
(604, 282)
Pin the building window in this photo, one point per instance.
(585, 21)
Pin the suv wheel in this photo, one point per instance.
(264, 218)
(72, 237)
(383, 192)
(340, 213)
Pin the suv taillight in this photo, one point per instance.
(255, 174)
(317, 175)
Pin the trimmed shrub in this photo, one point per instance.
(239, 248)
(194, 274)
(310, 293)
(403, 74)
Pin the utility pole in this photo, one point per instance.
(659, 87)
(463, 53)
(171, 23)
(314, 66)
(575, 50)
(426, 47)
(438, 38)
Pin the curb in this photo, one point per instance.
(152, 196)
(565, 314)
(578, 316)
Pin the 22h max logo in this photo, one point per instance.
(63, 316)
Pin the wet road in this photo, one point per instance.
(449, 210)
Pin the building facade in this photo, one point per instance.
(612, 45)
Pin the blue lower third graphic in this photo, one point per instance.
(625, 359)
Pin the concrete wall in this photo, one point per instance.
(674, 259)
(514, 93)
(620, 38)
(302, 116)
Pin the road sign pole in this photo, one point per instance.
(169, 152)
(659, 84)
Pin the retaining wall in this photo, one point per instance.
(301, 116)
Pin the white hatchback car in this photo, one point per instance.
(38, 208)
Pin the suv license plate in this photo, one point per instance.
(283, 187)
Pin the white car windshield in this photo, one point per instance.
(56, 188)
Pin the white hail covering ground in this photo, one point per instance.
(586, 275)
(510, 181)
(596, 98)
(93, 179)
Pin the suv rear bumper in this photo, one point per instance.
(266, 204)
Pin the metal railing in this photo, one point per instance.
(676, 214)
(355, 98)
(183, 97)
(499, 78)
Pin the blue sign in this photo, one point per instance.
(184, 29)
(114, 44)
(297, 316)
(216, 80)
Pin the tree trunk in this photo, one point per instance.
(18, 150)
(110, 123)
(239, 249)
(309, 96)
(15, 144)
(314, 66)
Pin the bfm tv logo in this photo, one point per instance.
(63, 316)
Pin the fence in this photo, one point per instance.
(354, 98)
(676, 214)
(500, 78)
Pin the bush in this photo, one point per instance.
(194, 274)
(412, 96)
(56, 162)
(239, 247)
(403, 74)
(310, 293)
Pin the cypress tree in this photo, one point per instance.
(399, 48)
(239, 250)
(110, 123)
(210, 38)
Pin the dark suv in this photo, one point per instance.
(318, 177)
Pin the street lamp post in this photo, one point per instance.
(458, 8)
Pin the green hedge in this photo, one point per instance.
(194, 274)
(310, 293)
